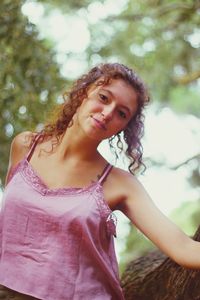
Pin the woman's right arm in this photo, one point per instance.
(19, 148)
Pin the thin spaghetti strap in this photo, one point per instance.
(30, 153)
(105, 173)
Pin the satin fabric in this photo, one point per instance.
(57, 243)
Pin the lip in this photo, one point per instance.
(99, 124)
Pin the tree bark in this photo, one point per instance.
(157, 277)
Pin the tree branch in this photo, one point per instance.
(158, 12)
(152, 162)
(197, 156)
(185, 79)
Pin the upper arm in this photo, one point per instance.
(141, 210)
(19, 148)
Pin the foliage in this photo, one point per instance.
(186, 217)
(29, 77)
(160, 39)
(154, 37)
(136, 245)
(66, 5)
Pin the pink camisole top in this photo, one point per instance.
(57, 244)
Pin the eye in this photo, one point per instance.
(122, 114)
(103, 98)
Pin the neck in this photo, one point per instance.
(75, 144)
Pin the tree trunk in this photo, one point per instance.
(157, 277)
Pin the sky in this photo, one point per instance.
(169, 138)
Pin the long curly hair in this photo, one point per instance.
(129, 140)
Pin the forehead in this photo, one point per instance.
(121, 91)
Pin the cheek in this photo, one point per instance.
(83, 108)
(121, 123)
(87, 108)
(93, 105)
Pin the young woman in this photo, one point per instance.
(57, 224)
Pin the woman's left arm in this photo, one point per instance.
(140, 209)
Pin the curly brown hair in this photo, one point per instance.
(102, 74)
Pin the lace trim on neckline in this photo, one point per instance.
(95, 188)
(32, 178)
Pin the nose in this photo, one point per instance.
(107, 112)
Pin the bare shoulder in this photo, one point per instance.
(20, 145)
(19, 148)
(23, 139)
(124, 178)
(126, 187)
(120, 187)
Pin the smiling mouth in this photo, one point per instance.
(99, 124)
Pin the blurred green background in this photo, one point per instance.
(46, 44)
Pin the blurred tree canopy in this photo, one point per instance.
(159, 39)
(138, 245)
(29, 77)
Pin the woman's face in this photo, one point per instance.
(107, 109)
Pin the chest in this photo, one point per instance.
(58, 176)
(65, 214)
(63, 174)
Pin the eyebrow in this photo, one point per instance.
(124, 106)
